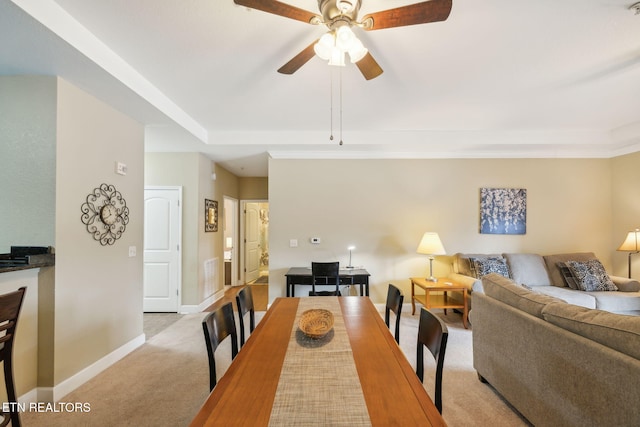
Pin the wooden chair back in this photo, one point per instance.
(394, 303)
(244, 302)
(10, 305)
(218, 325)
(433, 334)
(325, 273)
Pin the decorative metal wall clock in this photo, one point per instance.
(105, 213)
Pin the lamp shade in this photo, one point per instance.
(631, 242)
(430, 244)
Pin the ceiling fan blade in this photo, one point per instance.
(282, 9)
(299, 60)
(369, 67)
(419, 13)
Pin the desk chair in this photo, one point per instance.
(432, 333)
(218, 325)
(394, 303)
(10, 305)
(323, 273)
(244, 302)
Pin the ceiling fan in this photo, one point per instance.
(340, 16)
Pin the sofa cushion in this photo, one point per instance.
(583, 299)
(484, 266)
(616, 331)
(568, 276)
(552, 265)
(617, 302)
(625, 285)
(462, 264)
(502, 289)
(591, 276)
(528, 269)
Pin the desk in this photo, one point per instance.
(348, 276)
(440, 301)
(392, 393)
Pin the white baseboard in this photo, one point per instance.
(53, 394)
(28, 397)
(188, 309)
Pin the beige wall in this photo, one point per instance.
(253, 188)
(27, 161)
(58, 144)
(626, 213)
(98, 289)
(181, 169)
(384, 206)
(193, 172)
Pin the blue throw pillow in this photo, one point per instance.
(591, 276)
(484, 266)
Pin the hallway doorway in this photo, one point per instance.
(256, 241)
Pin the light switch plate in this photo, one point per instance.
(121, 168)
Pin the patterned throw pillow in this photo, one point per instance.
(567, 275)
(484, 266)
(591, 276)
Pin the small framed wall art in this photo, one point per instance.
(503, 211)
(210, 215)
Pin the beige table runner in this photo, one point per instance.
(319, 383)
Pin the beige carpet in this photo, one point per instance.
(164, 382)
(465, 400)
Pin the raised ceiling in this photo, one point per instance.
(499, 78)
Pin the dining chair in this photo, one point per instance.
(244, 302)
(10, 305)
(432, 333)
(394, 303)
(325, 273)
(218, 325)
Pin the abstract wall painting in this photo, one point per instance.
(503, 211)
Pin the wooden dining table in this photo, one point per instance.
(355, 375)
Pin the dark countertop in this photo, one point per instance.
(42, 261)
(25, 267)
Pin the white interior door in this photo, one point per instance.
(162, 235)
(231, 239)
(252, 241)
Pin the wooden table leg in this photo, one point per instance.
(465, 312)
(446, 301)
(413, 301)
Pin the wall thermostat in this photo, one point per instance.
(315, 240)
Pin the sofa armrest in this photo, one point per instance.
(471, 283)
(626, 285)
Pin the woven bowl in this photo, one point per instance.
(316, 323)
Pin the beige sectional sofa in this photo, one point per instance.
(542, 274)
(558, 364)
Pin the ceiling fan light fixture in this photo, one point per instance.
(357, 51)
(337, 57)
(345, 38)
(324, 47)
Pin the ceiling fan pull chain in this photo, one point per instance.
(341, 106)
(331, 103)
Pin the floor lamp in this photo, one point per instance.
(431, 245)
(630, 244)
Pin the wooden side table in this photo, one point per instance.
(445, 301)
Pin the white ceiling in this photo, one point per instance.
(499, 78)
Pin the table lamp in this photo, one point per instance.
(631, 244)
(431, 245)
(350, 248)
